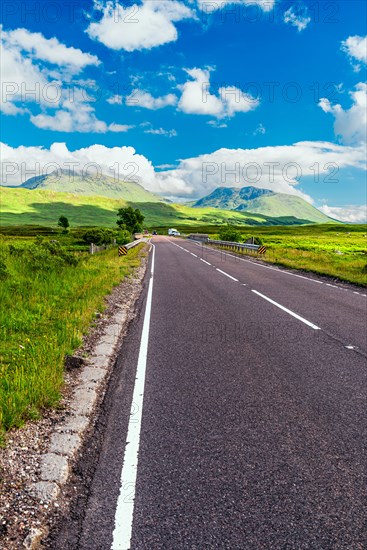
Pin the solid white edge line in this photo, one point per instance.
(315, 327)
(125, 504)
(226, 274)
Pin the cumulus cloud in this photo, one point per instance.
(139, 26)
(277, 168)
(141, 98)
(81, 120)
(197, 99)
(356, 49)
(21, 163)
(352, 213)
(48, 49)
(40, 72)
(350, 124)
(297, 18)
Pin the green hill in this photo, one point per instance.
(24, 206)
(65, 181)
(261, 201)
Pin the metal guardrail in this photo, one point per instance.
(94, 249)
(239, 246)
(231, 245)
(134, 243)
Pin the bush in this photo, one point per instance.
(48, 256)
(124, 237)
(99, 236)
(230, 234)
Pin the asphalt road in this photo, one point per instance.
(243, 390)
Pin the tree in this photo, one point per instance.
(130, 219)
(63, 222)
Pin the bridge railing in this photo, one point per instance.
(230, 245)
(94, 249)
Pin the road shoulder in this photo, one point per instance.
(40, 457)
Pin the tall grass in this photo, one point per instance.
(338, 251)
(49, 298)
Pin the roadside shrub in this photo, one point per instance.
(99, 236)
(47, 256)
(230, 234)
(124, 237)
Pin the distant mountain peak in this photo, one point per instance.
(261, 201)
(92, 184)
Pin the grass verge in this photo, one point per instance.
(337, 251)
(49, 298)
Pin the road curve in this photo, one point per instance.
(242, 390)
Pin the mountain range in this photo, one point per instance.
(95, 200)
(261, 201)
(65, 181)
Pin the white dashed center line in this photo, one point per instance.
(308, 323)
(227, 275)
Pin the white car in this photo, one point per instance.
(173, 233)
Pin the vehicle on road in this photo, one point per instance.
(173, 232)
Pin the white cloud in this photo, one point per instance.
(141, 98)
(19, 75)
(356, 49)
(21, 163)
(115, 100)
(353, 213)
(197, 99)
(48, 49)
(351, 123)
(277, 168)
(119, 127)
(297, 18)
(161, 132)
(79, 119)
(37, 71)
(140, 26)
(217, 124)
(268, 167)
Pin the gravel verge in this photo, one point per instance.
(39, 457)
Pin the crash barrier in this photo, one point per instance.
(237, 247)
(199, 237)
(94, 249)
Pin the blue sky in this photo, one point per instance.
(195, 94)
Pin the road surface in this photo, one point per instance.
(241, 388)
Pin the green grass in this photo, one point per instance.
(37, 207)
(338, 251)
(47, 306)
